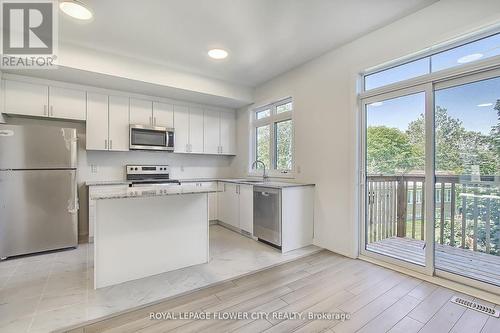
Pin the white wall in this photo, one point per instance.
(111, 165)
(325, 108)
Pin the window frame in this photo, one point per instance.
(272, 120)
(432, 76)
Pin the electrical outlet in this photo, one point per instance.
(93, 168)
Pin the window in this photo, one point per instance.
(273, 140)
(263, 114)
(419, 196)
(410, 197)
(466, 53)
(263, 145)
(447, 195)
(438, 195)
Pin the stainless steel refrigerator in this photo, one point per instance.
(38, 189)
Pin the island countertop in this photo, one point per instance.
(246, 181)
(146, 191)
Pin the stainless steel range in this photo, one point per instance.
(149, 175)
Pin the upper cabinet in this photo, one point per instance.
(141, 112)
(163, 114)
(197, 130)
(149, 113)
(212, 132)
(107, 122)
(31, 99)
(188, 129)
(97, 122)
(118, 130)
(227, 133)
(220, 132)
(181, 119)
(26, 99)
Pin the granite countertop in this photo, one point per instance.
(255, 182)
(147, 191)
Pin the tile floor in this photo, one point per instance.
(45, 292)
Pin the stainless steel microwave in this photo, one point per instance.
(151, 138)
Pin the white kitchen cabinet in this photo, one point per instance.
(39, 100)
(219, 132)
(235, 206)
(163, 114)
(97, 122)
(181, 119)
(212, 207)
(211, 133)
(118, 123)
(26, 99)
(245, 193)
(107, 122)
(67, 103)
(188, 129)
(195, 130)
(227, 133)
(228, 205)
(141, 112)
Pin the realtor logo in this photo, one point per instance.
(29, 34)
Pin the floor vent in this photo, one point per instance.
(476, 306)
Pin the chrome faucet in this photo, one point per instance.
(264, 174)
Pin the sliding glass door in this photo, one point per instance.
(467, 167)
(394, 178)
(431, 178)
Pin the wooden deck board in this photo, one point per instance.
(477, 265)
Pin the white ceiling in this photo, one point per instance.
(264, 37)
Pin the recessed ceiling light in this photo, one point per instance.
(377, 104)
(217, 54)
(485, 105)
(76, 9)
(470, 58)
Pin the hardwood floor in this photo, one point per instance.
(377, 299)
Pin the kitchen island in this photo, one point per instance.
(148, 231)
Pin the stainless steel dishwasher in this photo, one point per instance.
(267, 215)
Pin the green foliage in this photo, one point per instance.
(389, 151)
(392, 151)
(283, 132)
(284, 145)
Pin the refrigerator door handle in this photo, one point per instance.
(73, 201)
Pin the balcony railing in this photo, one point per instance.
(467, 210)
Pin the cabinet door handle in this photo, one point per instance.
(52, 110)
(105, 144)
(110, 144)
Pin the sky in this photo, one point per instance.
(462, 102)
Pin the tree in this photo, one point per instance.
(450, 135)
(389, 151)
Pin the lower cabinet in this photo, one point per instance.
(235, 205)
(245, 193)
(228, 204)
